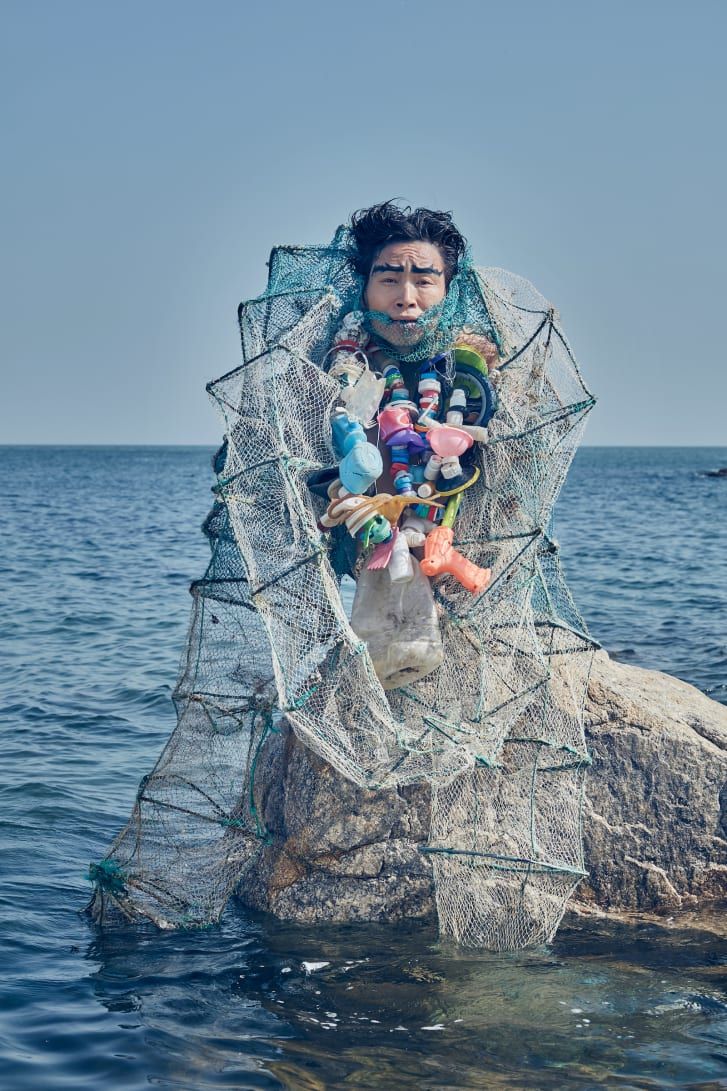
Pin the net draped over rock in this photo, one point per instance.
(496, 730)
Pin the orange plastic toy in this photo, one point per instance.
(441, 557)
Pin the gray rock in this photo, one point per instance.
(656, 811)
(655, 816)
(337, 852)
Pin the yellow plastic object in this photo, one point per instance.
(463, 354)
(460, 488)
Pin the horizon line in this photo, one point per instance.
(581, 446)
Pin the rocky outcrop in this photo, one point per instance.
(338, 852)
(655, 817)
(656, 809)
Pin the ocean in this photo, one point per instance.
(99, 545)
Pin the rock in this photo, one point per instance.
(338, 852)
(655, 817)
(656, 809)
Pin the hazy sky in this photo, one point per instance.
(155, 151)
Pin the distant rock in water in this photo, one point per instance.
(655, 817)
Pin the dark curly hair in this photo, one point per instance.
(374, 228)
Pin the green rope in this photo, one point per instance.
(562, 414)
(261, 829)
(505, 863)
(316, 554)
(108, 876)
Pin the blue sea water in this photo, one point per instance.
(98, 547)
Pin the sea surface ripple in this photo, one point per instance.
(98, 548)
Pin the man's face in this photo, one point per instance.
(406, 279)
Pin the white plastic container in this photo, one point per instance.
(400, 625)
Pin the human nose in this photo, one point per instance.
(407, 296)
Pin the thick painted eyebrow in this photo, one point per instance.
(387, 268)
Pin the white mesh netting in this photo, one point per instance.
(496, 729)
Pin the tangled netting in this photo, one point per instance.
(496, 730)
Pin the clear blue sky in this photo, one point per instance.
(155, 151)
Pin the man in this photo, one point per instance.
(409, 259)
(502, 748)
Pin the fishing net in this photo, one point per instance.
(496, 729)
